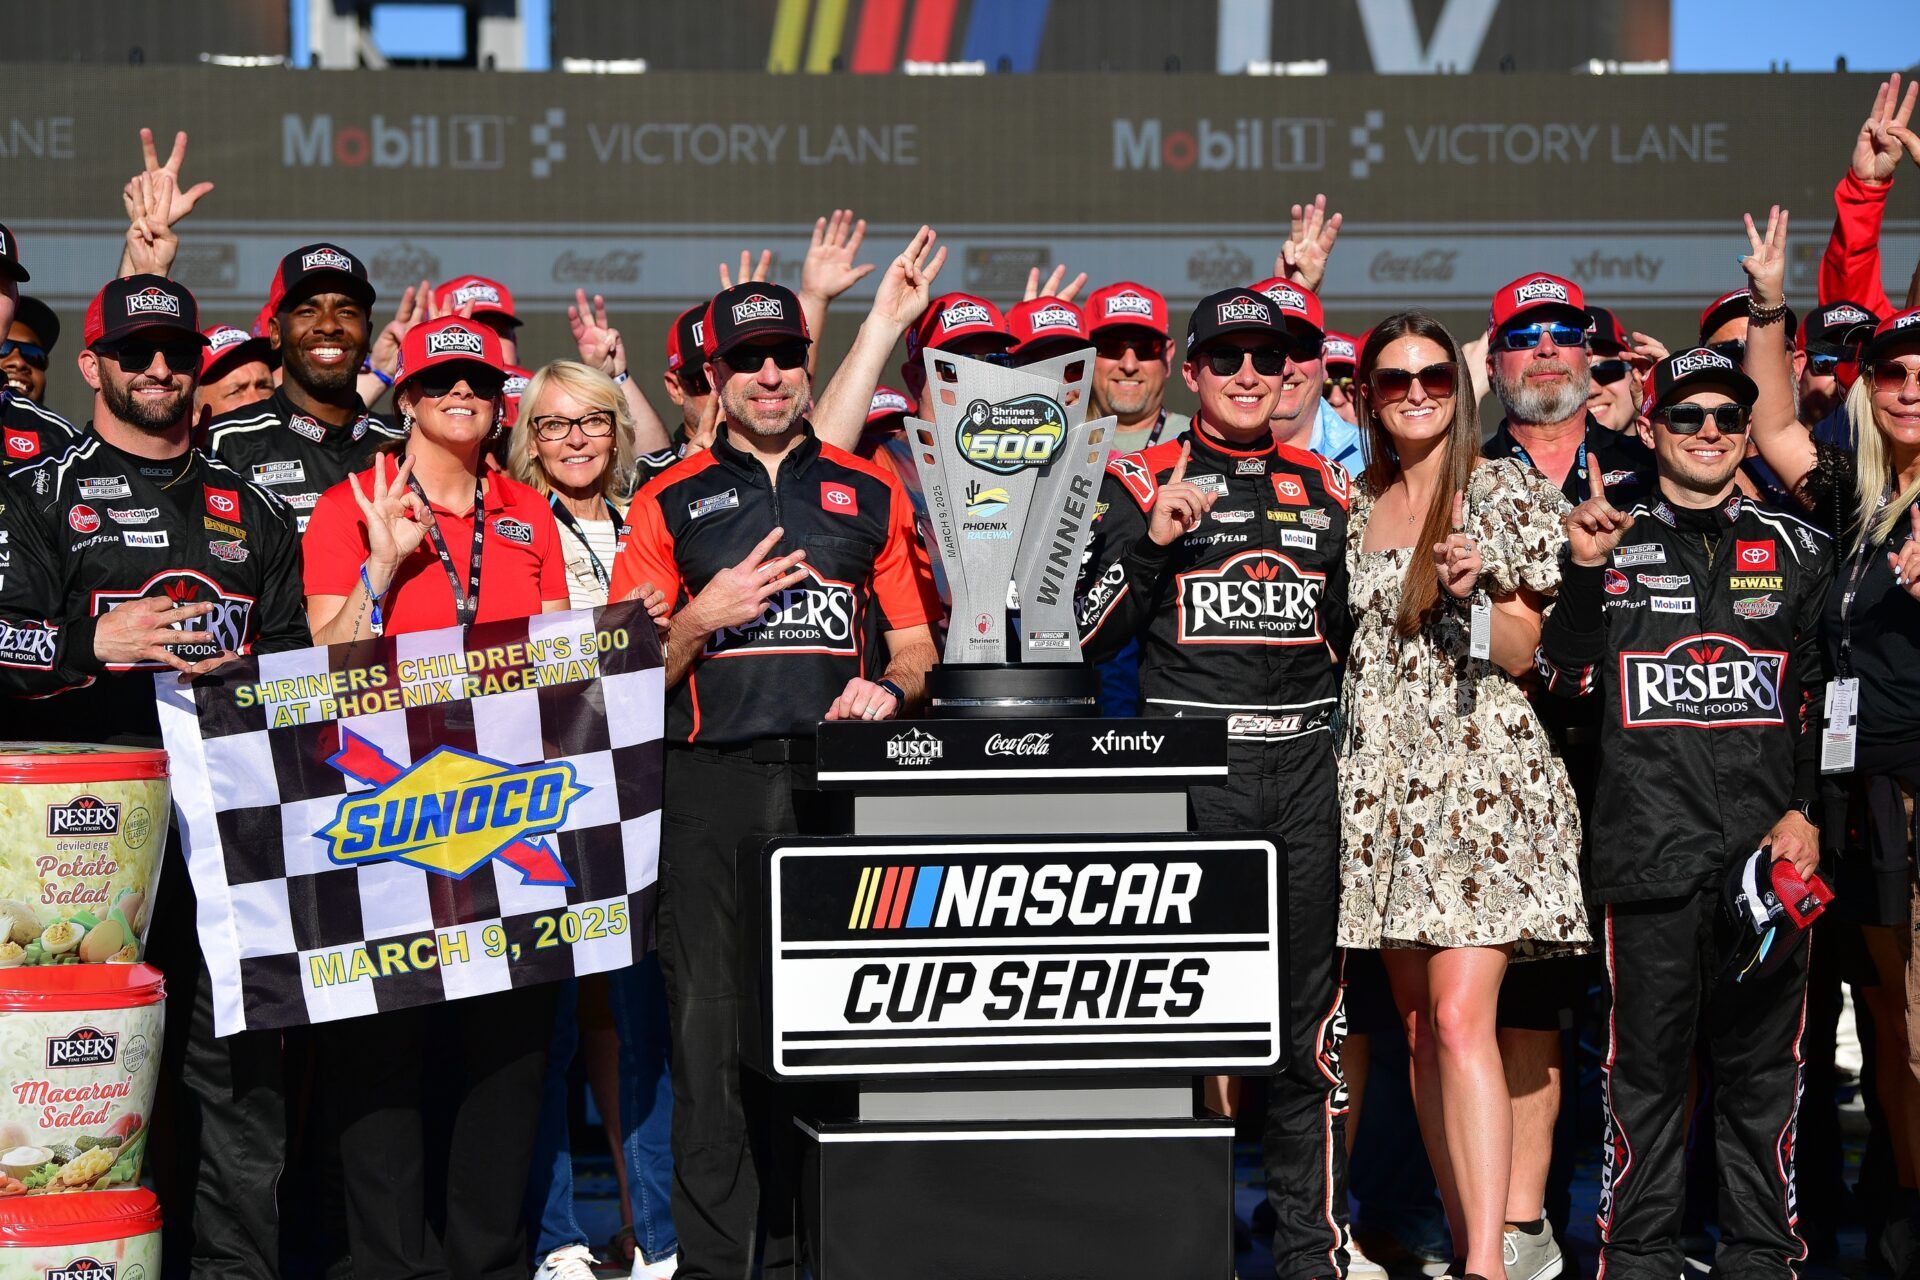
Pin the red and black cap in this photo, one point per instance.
(1128, 305)
(953, 316)
(1733, 306)
(1899, 329)
(487, 298)
(1678, 375)
(319, 268)
(1838, 328)
(39, 317)
(1609, 335)
(1340, 350)
(1537, 291)
(887, 403)
(516, 386)
(140, 304)
(686, 340)
(1232, 311)
(752, 311)
(1299, 305)
(10, 265)
(1047, 326)
(227, 347)
(448, 340)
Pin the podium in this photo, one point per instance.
(1021, 961)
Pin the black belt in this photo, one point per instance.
(763, 750)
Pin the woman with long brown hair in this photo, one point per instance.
(1461, 833)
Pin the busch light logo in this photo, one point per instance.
(1243, 310)
(455, 341)
(1285, 295)
(962, 313)
(153, 301)
(83, 816)
(1541, 291)
(326, 258)
(476, 294)
(1055, 318)
(757, 307)
(1699, 358)
(914, 747)
(83, 1047)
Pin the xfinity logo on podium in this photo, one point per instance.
(1114, 742)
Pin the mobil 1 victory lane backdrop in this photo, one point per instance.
(634, 186)
(961, 954)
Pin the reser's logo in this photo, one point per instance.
(83, 1047)
(476, 294)
(81, 1269)
(815, 615)
(1129, 304)
(963, 313)
(454, 340)
(1287, 296)
(153, 301)
(83, 816)
(1256, 597)
(326, 258)
(1540, 291)
(1699, 358)
(757, 307)
(450, 812)
(1243, 310)
(1054, 318)
(1708, 681)
(1010, 895)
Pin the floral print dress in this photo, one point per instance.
(1459, 825)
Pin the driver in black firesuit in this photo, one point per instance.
(1224, 552)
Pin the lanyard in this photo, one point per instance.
(1854, 574)
(467, 605)
(1159, 425)
(1579, 462)
(567, 518)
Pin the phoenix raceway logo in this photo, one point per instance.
(1256, 597)
(1012, 435)
(227, 626)
(815, 615)
(450, 812)
(83, 1047)
(1707, 681)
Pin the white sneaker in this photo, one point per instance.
(665, 1269)
(1532, 1257)
(568, 1262)
(1361, 1267)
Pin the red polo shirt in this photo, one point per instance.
(522, 562)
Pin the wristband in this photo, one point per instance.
(1765, 315)
(380, 374)
(622, 377)
(899, 695)
(373, 598)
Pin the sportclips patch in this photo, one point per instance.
(984, 955)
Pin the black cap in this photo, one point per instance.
(319, 268)
(1233, 311)
(39, 317)
(1839, 328)
(10, 257)
(133, 304)
(1731, 306)
(753, 310)
(1701, 366)
(684, 340)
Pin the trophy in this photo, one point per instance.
(1011, 472)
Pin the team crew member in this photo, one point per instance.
(960, 323)
(489, 303)
(1340, 355)
(1618, 362)
(1132, 359)
(27, 344)
(685, 377)
(1046, 327)
(236, 371)
(305, 438)
(1302, 417)
(1225, 553)
(1826, 360)
(133, 553)
(27, 431)
(437, 540)
(570, 448)
(791, 567)
(1694, 618)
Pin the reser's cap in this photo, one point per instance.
(319, 268)
(1128, 305)
(448, 340)
(138, 304)
(1677, 375)
(1232, 311)
(752, 311)
(1534, 292)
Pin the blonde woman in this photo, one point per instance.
(570, 446)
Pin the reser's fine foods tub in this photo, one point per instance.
(82, 829)
(79, 1063)
(109, 1235)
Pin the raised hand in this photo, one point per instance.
(597, 341)
(385, 355)
(1052, 288)
(829, 269)
(1647, 347)
(396, 517)
(750, 271)
(1179, 506)
(1877, 148)
(165, 203)
(1906, 561)
(1766, 266)
(1457, 559)
(1473, 357)
(736, 596)
(1309, 243)
(1594, 528)
(907, 285)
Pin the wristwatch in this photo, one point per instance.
(899, 694)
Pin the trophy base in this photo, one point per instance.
(985, 691)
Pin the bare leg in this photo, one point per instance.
(1222, 1094)
(1464, 986)
(1353, 1065)
(602, 1049)
(1407, 976)
(1532, 1062)
(1899, 1090)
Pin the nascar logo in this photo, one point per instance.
(1699, 358)
(153, 301)
(1541, 291)
(985, 896)
(455, 341)
(757, 307)
(326, 258)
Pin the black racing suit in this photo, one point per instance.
(1700, 637)
(293, 454)
(29, 433)
(1242, 619)
(79, 534)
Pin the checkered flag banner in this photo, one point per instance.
(422, 817)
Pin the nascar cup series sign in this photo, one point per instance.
(981, 955)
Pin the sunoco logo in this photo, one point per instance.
(757, 307)
(1699, 358)
(82, 1269)
(326, 258)
(1540, 291)
(914, 747)
(1704, 682)
(1243, 310)
(1256, 597)
(83, 816)
(985, 896)
(152, 302)
(455, 341)
(1013, 435)
(83, 1047)
(964, 313)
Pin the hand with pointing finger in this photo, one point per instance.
(736, 596)
(1458, 558)
(1906, 561)
(1179, 506)
(1594, 528)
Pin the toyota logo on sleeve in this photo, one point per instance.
(223, 502)
(1755, 556)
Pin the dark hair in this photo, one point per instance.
(1420, 591)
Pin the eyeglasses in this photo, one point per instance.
(1690, 419)
(1527, 337)
(1438, 381)
(1734, 349)
(1225, 362)
(1333, 384)
(554, 426)
(136, 354)
(1819, 366)
(1608, 372)
(1891, 378)
(483, 382)
(32, 353)
(1144, 349)
(785, 355)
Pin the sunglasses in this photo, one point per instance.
(1734, 349)
(1891, 378)
(1608, 372)
(32, 353)
(1144, 349)
(483, 382)
(1438, 381)
(1527, 337)
(554, 426)
(1690, 419)
(1337, 384)
(1819, 366)
(694, 383)
(1225, 362)
(785, 355)
(136, 355)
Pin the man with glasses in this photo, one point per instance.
(1132, 358)
(134, 553)
(1831, 339)
(1340, 354)
(28, 432)
(961, 323)
(1043, 328)
(1225, 553)
(1301, 416)
(1693, 614)
(798, 591)
(314, 430)
(29, 341)
(1617, 369)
